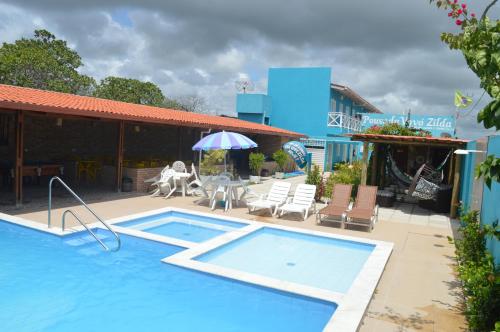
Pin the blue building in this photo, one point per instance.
(305, 100)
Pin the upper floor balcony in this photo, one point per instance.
(342, 120)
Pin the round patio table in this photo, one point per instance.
(230, 187)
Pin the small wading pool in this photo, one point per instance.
(311, 260)
(187, 227)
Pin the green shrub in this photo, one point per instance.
(345, 174)
(480, 277)
(281, 158)
(210, 161)
(315, 177)
(255, 162)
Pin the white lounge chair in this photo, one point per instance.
(276, 197)
(301, 202)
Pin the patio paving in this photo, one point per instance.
(417, 292)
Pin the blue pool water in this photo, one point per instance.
(315, 261)
(57, 284)
(185, 231)
(183, 226)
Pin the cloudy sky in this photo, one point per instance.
(388, 51)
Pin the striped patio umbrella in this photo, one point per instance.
(224, 140)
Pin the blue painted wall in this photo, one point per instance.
(300, 99)
(467, 176)
(490, 207)
(253, 107)
(490, 211)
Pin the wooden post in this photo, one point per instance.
(364, 163)
(375, 152)
(18, 170)
(456, 187)
(450, 169)
(119, 155)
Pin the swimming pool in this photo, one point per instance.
(250, 276)
(48, 283)
(315, 261)
(182, 226)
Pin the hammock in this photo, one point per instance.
(425, 183)
(396, 173)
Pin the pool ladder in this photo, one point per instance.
(71, 212)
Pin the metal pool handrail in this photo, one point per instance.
(118, 241)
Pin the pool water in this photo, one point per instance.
(185, 231)
(316, 261)
(183, 226)
(48, 283)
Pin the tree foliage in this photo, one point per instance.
(479, 42)
(188, 103)
(43, 62)
(130, 90)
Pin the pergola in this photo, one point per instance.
(48, 121)
(412, 143)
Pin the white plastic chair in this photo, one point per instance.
(166, 184)
(247, 191)
(277, 196)
(221, 189)
(195, 182)
(202, 191)
(301, 202)
(156, 178)
(179, 166)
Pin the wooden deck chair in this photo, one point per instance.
(365, 210)
(336, 211)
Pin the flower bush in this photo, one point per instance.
(393, 128)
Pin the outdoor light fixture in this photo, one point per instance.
(59, 122)
(461, 151)
(137, 129)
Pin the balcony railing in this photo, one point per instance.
(342, 120)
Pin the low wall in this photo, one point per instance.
(138, 175)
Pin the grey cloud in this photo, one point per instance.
(389, 51)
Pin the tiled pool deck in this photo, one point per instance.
(418, 290)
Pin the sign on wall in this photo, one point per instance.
(437, 125)
(297, 151)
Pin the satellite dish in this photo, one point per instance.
(244, 86)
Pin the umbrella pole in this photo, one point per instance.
(225, 167)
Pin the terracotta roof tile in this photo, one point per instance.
(20, 98)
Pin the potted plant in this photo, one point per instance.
(255, 162)
(280, 157)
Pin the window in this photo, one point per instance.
(334, 105)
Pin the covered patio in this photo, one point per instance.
(400, 164)
(93, 143)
